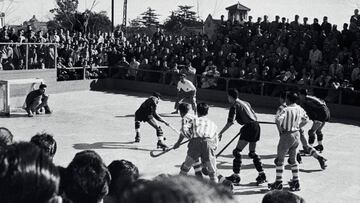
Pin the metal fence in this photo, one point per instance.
(24, 56)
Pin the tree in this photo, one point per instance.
(65, 14)
(136, 22)
(183, 16)
(150, 18)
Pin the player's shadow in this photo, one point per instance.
(229, 166)
(251, 192)
(109, 145)
(271, 156)
(126, 116)
(15, 116)
(310, 171)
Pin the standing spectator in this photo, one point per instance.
(355, 21)
(189, 71)
(133, 67)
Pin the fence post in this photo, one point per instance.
(340, 96)
(27, 57)
(227, 84)
(262, 89)
(84, 72)
(56, 56)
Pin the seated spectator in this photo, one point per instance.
(46, 142)
(123, 174)
(27, 175)
(36, 100)
(281, 196)
(176, 189)
(210, 76)
(87, 178)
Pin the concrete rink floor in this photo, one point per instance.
(104, 122)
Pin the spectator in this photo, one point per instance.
(87, 178)
(6, 137)
(281, 196)
(27, 175)
(176, 189)
(123, 174)
(210, 76)
(45, 142)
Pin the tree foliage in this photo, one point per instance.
(67, 16)
(183, 16)
(150, 18)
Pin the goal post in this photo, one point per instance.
(6, 87)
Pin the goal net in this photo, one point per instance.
(13, 94)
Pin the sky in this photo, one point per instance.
(338, 11)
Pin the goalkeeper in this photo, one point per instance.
(36, 100)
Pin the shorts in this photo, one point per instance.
(322, 114)
(142, 116)
(250, 132)
(201, 148)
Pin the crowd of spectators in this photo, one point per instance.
(28, 174)
(300, 53)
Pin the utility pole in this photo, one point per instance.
(124, 14)
(112, 16)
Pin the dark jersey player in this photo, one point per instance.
(319, 113)
(242, 112)
(36, 100)
(147, 113)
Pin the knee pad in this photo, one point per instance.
(159, 131)
(256, 160)
(278, 163)
(237, 161)
(320, 135)
(137, 124)
(185, 168)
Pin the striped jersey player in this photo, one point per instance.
(289, 121)
(202, 133)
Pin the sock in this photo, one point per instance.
(320, 142)
(197, 168)
(279, 172)
(295, 171)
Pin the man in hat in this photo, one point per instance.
(147, 113)
(186, 90)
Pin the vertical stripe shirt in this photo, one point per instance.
(194, 127)
(291, 118)
(242, 112)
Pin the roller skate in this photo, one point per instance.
(261, 179)
(294, 185)
(161, 145)
(227, 183)
(234, 178)
(322, 162)
(319, 148)
(277, 185)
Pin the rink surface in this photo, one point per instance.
(104, 122)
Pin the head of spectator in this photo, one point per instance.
(233, 94)
(6, 137)
(87, 178)
(123, 174)
(27, 175)
(325, 19)
(345, 26)
(296, 18)
(177, 189)
(282, 196)
(184, 108)
(316, 21)
(305, 20)
(356, 12)
(277, 18)
(45, 142)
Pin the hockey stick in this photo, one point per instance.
(152, 153)
(227, 145)
(172, 128)
(266, 122)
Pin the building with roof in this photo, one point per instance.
(236, 12)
